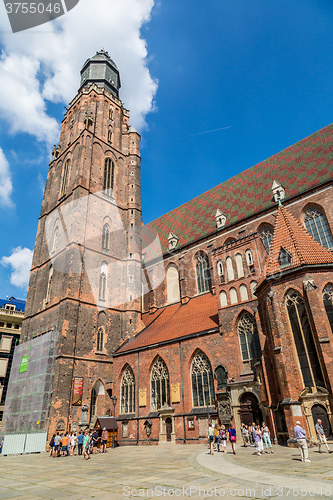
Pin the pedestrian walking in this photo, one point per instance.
(104, 441)
(51, 445)
(217, 437)
(223, 438)
(57, 444)
(80, 443)
(245, 435)
(300, 435)
(252, 429)
(257, 436)
(86, 441)
(321, 436)
(232, 438)
(266, 435)
(210, 437)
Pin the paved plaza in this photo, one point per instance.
(185, 471)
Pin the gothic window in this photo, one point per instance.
(93, 402)
(100, 340)
(249, 259)
(172, 278)
(110, 136)
(106, 238)
(49, 283)
(266, 236)
(223, 299)
(111, 113)
(253, 286)
(230, 269)
(239, 265)
(55, 239)
(249, 337)
(203, 273)
(304, 342)
(160, 390)
(316, 223)
(221, 376)
(88, 123)
(202, 381)
(64, 180)
(220, 271)
(328, 303)
(284, 258)
(108, 176)
(127, 391)
(233, 296)
(102, 281)
(243, 293)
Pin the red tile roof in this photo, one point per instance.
(176, 321)
(306, 164)
(291, 235)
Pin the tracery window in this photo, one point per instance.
(203, 273)
(202, 381)
(100, 340)
(304, 342)
(316, 223)
(328, 303)
(160, 389)
(64, 180)
(128, 391)
(266, 236)
(106, 238)
(108, 176)
(249, 337)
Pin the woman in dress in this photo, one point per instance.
(258, 440)
(232, 438)
(267, 438)
(223, 438)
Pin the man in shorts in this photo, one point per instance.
(321, 436)
(64, 441)
(105, 436)
(56, 449)
(95, 437)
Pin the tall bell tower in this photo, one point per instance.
(85, 279)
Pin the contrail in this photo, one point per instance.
(209, 131)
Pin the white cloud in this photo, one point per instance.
(20, 263)
(6, 186)
(44, 63)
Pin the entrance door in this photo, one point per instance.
(319, 412)
(249, 409)
(168, 426)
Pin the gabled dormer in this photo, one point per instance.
(279, 193)
(220, 218)
(172, 241)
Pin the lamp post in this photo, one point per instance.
(114, 401)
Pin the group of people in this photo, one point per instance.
(220, 435)
(258, 436)
(300, 435)
(86, 443)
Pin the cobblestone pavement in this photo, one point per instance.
(168, 471)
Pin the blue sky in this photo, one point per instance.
(262, 71)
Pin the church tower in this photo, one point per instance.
(85, 280)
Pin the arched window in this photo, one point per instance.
(253, 286)
(243, 293)
(223, 299)
(111, 113)
(233, 296)
(160, 390)
(230, 269)
(102, 281)
(127, 390)
(172, 278)
(220, 271)
(93, 404)
(328, 303)
(49, 283)
(248, 337)
(106, 238)
(203, 273)
(221, 376)
(304, 342)
(316, 223)
(266, 236)
(249, 258)
(65, 176)
(55, 239)
(239, 265)
(109, 136)
(202, 381)
(108, 176)
(100, 340)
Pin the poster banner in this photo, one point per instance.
(24, 364)
(77, 391)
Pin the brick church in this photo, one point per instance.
(235, 316)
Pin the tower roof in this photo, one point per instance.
(101, 70)
(291, 237)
